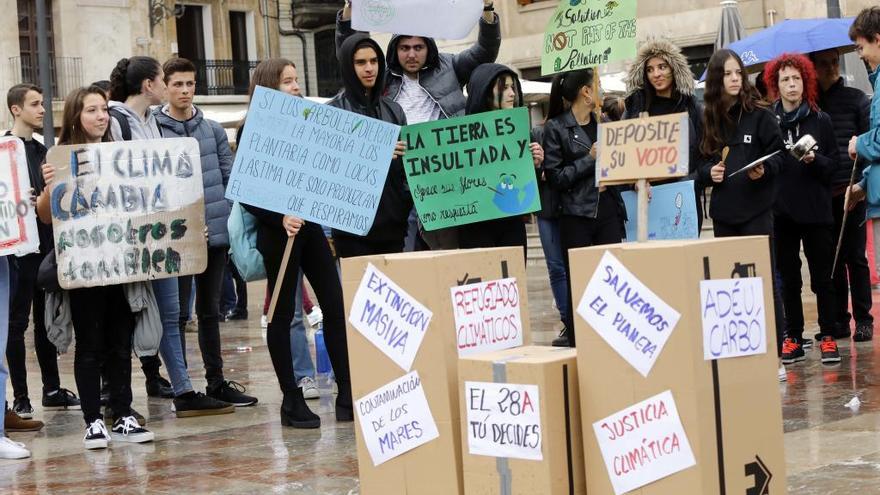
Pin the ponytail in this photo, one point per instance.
(129, 74)
(565, 89)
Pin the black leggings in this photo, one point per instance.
(311, 253)
(510, 231)
(208, 286)
(349, 246)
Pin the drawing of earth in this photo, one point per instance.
(377, 11)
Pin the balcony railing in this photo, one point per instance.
(223, 77)
(66, 73)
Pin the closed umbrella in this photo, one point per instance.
(731, 28)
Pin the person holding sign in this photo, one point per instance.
(496, 87)
(739, 131)
(362, 65)
(591, 215)
(311, 254)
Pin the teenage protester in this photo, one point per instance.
(849, 109)
(136, 85)
(613, 108)
(25, 103)
(496, 87)
(802, 211)
(428, 84)
(865, 33)
(363, 72)
(102, 319)
(590, 215)
(735, 118)
(310, 253)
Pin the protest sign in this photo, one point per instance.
(18, 222)
(472, 168)
(444, 19)
(628, 315)
(395, 418)
(643, 443)
(672, 212)
(588, 33)
(734, 320)
(643, 148)
(487, 316)
(317, 162)
(504, 420)
(388, 317)
(128, 211)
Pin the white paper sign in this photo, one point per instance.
(734, 319)
(18, 221)
(487, 316)
(643, 443)
(504, 420)
(445, 19)
(395, 418)
(389, 317)
(627, 314)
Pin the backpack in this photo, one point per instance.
(243, 244)
(122, 120)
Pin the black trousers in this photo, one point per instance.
(510, 231)
(311, 253)
(760, 225)
(103, 325)
(209, 285)
(241, 300)
(22, 300)
(852, 268)
(578, 232)
(348, 246)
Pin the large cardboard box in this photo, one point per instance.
(525, 405)
(729, 408)
(427, 278)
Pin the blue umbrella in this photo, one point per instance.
(792, 36)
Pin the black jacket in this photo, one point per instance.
(803, 191)
(850, 111)
(396, 202)
(739, 199)
(551, 207)
(36, 156)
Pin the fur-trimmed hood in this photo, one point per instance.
(665, 49)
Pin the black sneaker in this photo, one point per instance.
(864, 332)
(61, 399)
(159, 387)
(108, 416)
(127, 429)
(562, 339)
(96, 436)
(236, 315)
(233, 393)
(792, 351)
(830, 354)
(23, 408)
(199, 404)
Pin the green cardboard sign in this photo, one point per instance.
(472, 168)
(589, 33)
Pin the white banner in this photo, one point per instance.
(504, 420)
(487, 316)
(734, 319)
(444, 19)
(18, 220)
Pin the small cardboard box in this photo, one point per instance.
(428, 280)
(523, 395)
(729, 408)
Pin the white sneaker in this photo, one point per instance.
(309, 388)
(315, 317)
(127, 429)
(96, 435)
(783, 376)
(264, 321)
(12, 450)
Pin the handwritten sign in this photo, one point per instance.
(643, 443)
(395, 418)
(487, 316)
(672, 212)
(472, 168)
(504, 420)
(317, 162)
(18, 222)
(633, 320)
(645, 148)
(734, 320)
(388, 317)
(445, 19)
(128, 211)
(588, 33)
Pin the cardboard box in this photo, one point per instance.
(729, 408)
(427, 278)
(519, 396)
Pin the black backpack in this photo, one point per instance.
(117, 115)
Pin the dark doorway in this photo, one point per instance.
(238, 37)
(27, 43)
(191, 43)
(329, 80)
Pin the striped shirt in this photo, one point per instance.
(417, 104)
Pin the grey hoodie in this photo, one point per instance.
(142, 126)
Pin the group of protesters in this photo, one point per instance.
(793, 200)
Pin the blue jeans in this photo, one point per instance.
(548, 229)
(299, 341)
(4, 327)
(168, 299)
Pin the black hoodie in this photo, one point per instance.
(481, 86)
(396, 202)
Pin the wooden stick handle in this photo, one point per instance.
(846, 196)
(280, 280)
(642, 211)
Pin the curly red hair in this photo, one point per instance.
(803, 65)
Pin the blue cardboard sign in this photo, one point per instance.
(672, 212)
(317, 162)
